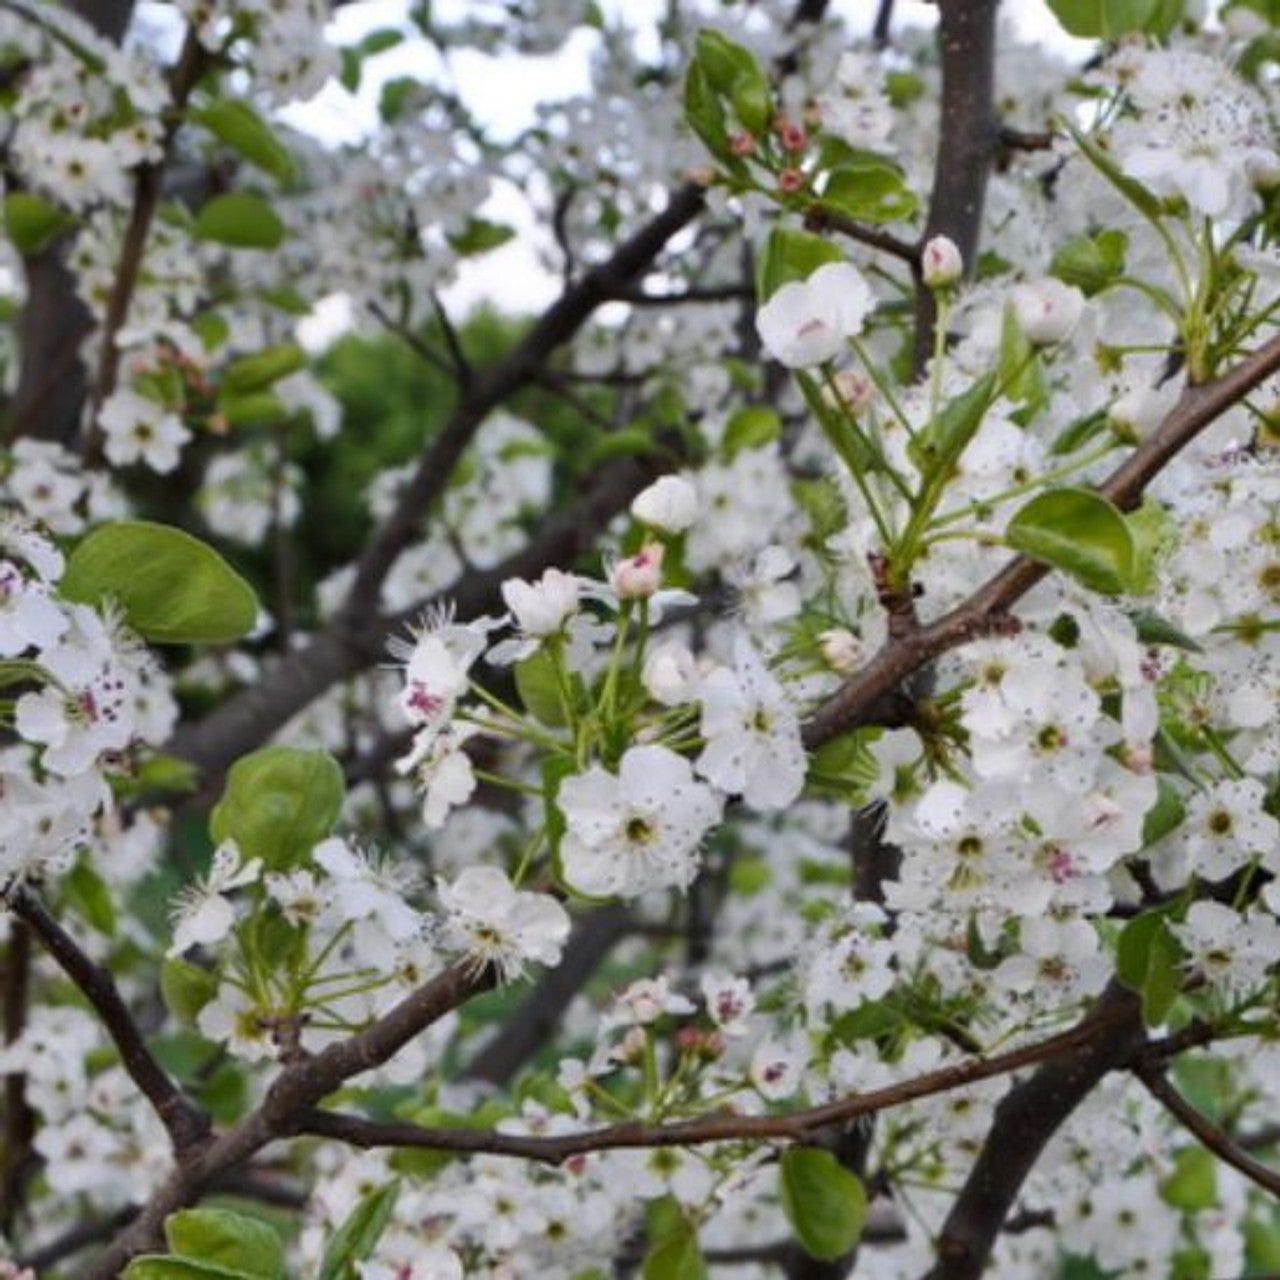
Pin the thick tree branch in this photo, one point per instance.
(19, 1121)
(1157, 1084)
(1025, 1119)
(186, 1123)
(966, 142)
(352, 641)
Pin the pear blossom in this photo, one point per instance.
(1047, 310)
(669, 504)
(636, 830)
(202, 914)
(752, 733)
(370, 893)
(493, 923)
(808, 322)
(941, 265)
(136, 429)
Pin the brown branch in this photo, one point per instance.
(818, 217)
(711, 293)
(987, 609)
(351, 641)
(1158, 1086)
(461, 365)
(1025, 1119)
(797, 1126)
(192, 63)
(423, 350)
(188, 1125)
(19, 1120)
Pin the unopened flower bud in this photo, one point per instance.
(638, 576)
(941, 265)
(1047, 310)
(841, 650)
(851, 392)
(669, 504)
(742, 144)
(790, 180)
(793, 137)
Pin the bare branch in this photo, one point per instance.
(1158, 1086)
(187, 1124)
(820, 218)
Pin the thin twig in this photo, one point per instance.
(1158, 1086)
(188, 1124)
(819, 217)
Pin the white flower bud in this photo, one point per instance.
(1047, 310)
(941, 265)
(841, 650)
(638, 576)
(669, 504)
(541, 608)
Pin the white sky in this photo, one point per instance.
(502, 93)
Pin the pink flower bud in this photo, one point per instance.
(640, 575)
(742, 144)
(941, 265)
(790, 180)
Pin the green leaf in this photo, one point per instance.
(824, 1202)
(750, 428)
(1153, 533)
(88, 893)
(791, 255)
(938, 448)
(1102, 19)
(1021, 373)
(172, 587)
(242, 1245)
(1149, 961)
(279, 803)
(1079, 532)
(703, 112)
(673, 1244)
(723, 61)
(358, 1236)
(1091, 263)
(1165, 815)
(260, 369)
(241, 220)
(538, 684)
(1193, 1184)
(31, 222)
(254, 409)
(1153, 628)
(156, 1267)
(244, 130)
(186, 988)
(869, 189)
(479, 236)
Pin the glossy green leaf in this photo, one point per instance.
(538, 685)
(1153, 628)
(791, 255)
(279, 803)
(1165, 815)
(157, 1267)
(1091, 262)
(240, 1244)
(824, 1202)
(358, 1236)
(244, 130)
(1102, 19)
(673, 1243)
(1079, 532)
(172, 587)
(869, 190)
(703, 112)
(240, 220)
(1149, 961)
(32, 222)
